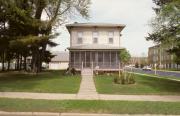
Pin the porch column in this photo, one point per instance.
(103, 59)
(91, 58)
(80, 61)
(96, 57)
(74, 58)
(70, 59)
(85, 59)
(116, 59)
(110, 58)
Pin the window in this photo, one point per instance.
(95, 40)
(95, 37)
(111, 40)
(79, 39)
(111, 37)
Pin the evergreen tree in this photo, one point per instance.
(25, 33)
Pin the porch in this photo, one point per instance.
(97, 60)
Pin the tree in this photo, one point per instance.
(124, 77)
(166, 26)
(124, 57)
(26, 33)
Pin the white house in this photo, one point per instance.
(60, 61)
(95, 45)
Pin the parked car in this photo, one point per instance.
(147, 68)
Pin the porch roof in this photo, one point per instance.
(95, 47)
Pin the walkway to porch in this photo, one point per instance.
(87, 88)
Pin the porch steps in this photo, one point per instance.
(87, 87)
(86, 72)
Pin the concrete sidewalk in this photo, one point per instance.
(2, 113)
(56, 96)
(87, 88)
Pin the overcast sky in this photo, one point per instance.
(135, 14)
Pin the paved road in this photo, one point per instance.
(160, 73)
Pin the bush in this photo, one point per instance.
(71, 71)
(136, 65)
(142, 65)
(125, 78)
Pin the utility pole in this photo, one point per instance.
(160, 57)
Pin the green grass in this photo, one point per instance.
(144, 85)
(48, 82)
(170, 77)
(80, 106)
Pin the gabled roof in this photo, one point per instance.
(94, 47)
(60, 57)
(69, 26)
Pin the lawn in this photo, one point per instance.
(171, 77)
(88, 106)
(47, 82)
(144, 85)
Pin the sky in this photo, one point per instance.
(135, 14)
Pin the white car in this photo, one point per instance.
(147, 68)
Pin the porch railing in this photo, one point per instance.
(94, 65)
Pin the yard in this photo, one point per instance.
(90, 106)
(47, 82)
(144, 85)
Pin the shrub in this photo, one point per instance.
(136, 65)
(71, 71)
(125, 78)
(142, 65)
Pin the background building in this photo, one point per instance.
(159, 55)
(60, 61)
(140, 61)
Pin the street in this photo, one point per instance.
(160, 73)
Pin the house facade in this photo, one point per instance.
(158, 55)
(95, 46)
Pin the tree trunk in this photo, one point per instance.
(20, 65)
(17, 62)
(25, 65)
(3, 61)
(42, 53)
(9, 65)
(34, 61)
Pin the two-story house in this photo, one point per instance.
(95, 45)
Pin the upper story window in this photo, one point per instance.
(95, 37)
(80, 38)
(111, 37)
